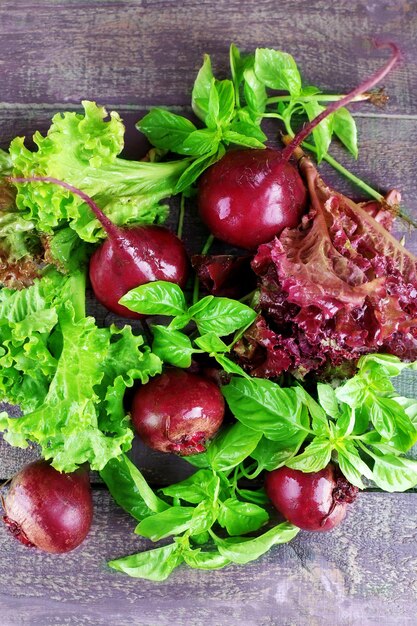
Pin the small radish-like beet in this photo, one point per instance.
(312, 501)
(129, 257)
(250, 196)
(49, 510)
(152, 253)
(178, 412)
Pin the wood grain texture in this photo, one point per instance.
(149, 51)
(130, 55)
(364, 573)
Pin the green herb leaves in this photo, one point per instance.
(277, 70)
(363, 424)
(232, 111)
(213, 317)
(68, 375)
(191, 510)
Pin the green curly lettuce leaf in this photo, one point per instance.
(68, 376)
(83, 150)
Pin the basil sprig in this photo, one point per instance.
(232, 110)
(213, 317)
(194, 511)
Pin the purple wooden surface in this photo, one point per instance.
(148, 51)
(130, 55)
(363, 573)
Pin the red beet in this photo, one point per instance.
(49, 510)
(250, 196)
(312, 501)
(241, 197)
(137, 256)
(129, 257)
(178, 412)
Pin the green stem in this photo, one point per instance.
(206, 248)
(251, 475)
(275, 116)
(366, 450)
(322, 97)
(77, 283)
(338, 167)
(347, 173)
(181, 217)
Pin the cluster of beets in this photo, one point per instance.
(247, 199)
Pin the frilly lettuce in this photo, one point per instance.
(68, 376)
(83, 150)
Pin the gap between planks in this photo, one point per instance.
(53, 106)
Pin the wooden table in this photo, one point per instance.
(130, 56)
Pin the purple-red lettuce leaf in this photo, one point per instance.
(336, 287)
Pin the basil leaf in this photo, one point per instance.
(256, 496)
(230, 366)
(405, 436)
(166, 130)
(212, 117)
(272, 454)
(201, 142)
(247, 550)
(344, 127)
(348, 420)
(315, 456)
(322, 134)
(231, 136)
(353, 392)
(267, 408)
(389, 364)
(198, 460)
(409, 406)
(197, 167)
(382, 412)
(204, 516)
(223, 316)
(319, 421)
(248, 128)
(201, 89)
(255, 93)
(157, 298)
(239, 518)
(179, 322)
(200, 305)
(392, 473)
(173, 521)
(231, 446)
(238, 64)
(154, 565)
(277, 70)
(226, 95)
(123, 488)
(328, 400)
(172, 346)
(351, 464)
(210, 342)
(198, 487)
(126, 482)
(198, 559)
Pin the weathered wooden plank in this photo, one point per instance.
(144, 52)
(362, 573)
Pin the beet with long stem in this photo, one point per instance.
(250, 196)
(129, 257)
